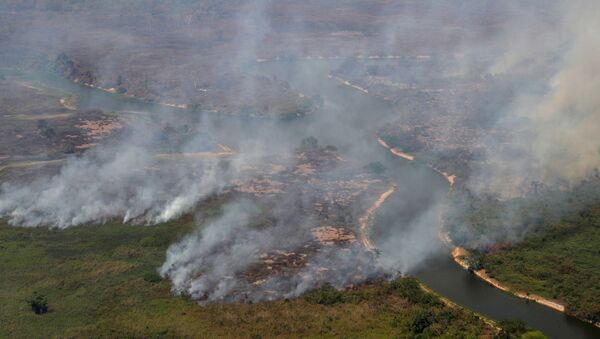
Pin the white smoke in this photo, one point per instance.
(208, 265)
(122, 180)
(554, 127)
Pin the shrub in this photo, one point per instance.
(38, 303)
(152, 277)
(408, 288)
(533, 335)
(511, 329)
(475, 261)
(151, 241)
(421, 320)
(326, 295)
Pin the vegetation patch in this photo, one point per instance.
(95, 289)
(547, 243)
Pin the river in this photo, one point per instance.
(418, 188)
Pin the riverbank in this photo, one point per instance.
(395, 152)
(460, 256)
(454, 305)
(348, 83)
(364, 220)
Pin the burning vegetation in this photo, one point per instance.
(318, 210)
(147, 112)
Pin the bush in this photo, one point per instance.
(151, 241)
(533, 335)
(421, 320)
(475, 262)
(511, 329)
(152, 277)
(408, 288)
(38, 303)
(326, 295)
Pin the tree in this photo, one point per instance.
(474, 262)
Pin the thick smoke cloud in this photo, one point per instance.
(553, 124)
(122, 180)
(204, 263)
(209, 264)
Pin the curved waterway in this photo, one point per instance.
(443, 275)
(418, 189)
(351, 121)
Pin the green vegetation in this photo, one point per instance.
(326, 295)
(516, 329)
(152, 277)
(477, 222)
(563, 264)
(38, 303)
(101, 281)
(547, 243)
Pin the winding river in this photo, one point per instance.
(352, 119)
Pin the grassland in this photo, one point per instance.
(99, 282)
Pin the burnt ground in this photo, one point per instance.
(198, 54)
(38, 125)
(310, 198)
(445, 119)
(314, 194)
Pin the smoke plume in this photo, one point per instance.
(546, 54)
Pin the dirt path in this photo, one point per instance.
(25, 164)
(113, 90)
(364, 221)
(341, 57)
(39, 116)
(224, 151)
